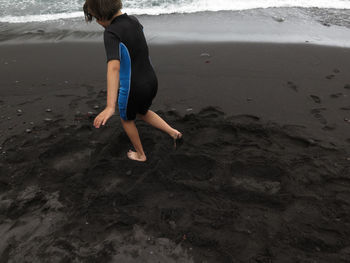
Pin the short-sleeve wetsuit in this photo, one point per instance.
(125, 41)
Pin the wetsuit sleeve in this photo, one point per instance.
(135, 18)
(111, 42)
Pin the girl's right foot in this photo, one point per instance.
(135, 156)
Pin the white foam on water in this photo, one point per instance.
(40, 18)
(219, 5)
(139, 7)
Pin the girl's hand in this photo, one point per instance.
(103, 117)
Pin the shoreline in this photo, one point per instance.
(271, 25)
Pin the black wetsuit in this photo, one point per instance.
(125, 41)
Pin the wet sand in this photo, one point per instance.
(263, 174)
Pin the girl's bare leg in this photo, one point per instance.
(156, 121)
(133, 134)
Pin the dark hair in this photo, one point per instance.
(101, 9)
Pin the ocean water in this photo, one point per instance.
(325, 22)
(22, 11)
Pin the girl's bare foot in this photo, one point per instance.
(136, 156)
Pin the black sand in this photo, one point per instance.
(263, 174)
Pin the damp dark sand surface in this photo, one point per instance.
(263, 173)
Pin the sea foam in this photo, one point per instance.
(16, 11)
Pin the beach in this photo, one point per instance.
(262, 174)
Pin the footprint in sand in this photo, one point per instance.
(329, 127)
(317, 114)
(336, 95)
(347, 86)
(67, 156)
(292, 86)
(191, 167)
(28, 101)
(71, 162)
(256, 179)
(315, 98)
(330, 76)
(345, 108)
(64, 95)
(256, 185)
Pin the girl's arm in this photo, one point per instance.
(113, 68)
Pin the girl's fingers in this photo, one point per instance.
(97, 122)
(100, 119)
(105, 120)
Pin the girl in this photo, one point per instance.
(129, 65)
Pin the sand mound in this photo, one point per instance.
(237, 189)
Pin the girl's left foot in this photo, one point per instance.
(136, 156)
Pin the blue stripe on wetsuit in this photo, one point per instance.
(125, 79)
